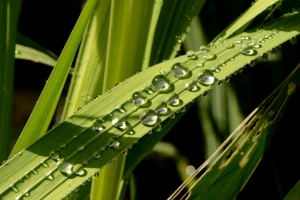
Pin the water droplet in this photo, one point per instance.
(191, 55)
(268, 36)
(5, 162)
(54, 155)
(14, 188)
(113, 142)
(215, 69)
(44, 164)
(26, 193)
(255, 44)
(244, 37)
(96, 154)
(205, 94)
(62, 144)
(50, 177)
(172, 116)
(199, 63)
(64, 167)
(174, 100)
(293, 40)
(219, 82)
(97, 128)
(150, 132)
(158, 128)
(160, 83)
(162, 109)
(125, 152)
(206, 78)
(208, 54)
(274, 32)
(264, 56)
(247, 50)
(237, 41)
(240, 70)
(75, 135)
(111, 162)
(261, 40)
(149, 117)
(178, 39)
(80, 147)
(227, 45)
(183, 109)
(192, 86)
(77, 189)
(251, 63)
(138, 98)
(80, 172)
(273, 50)
(83, 183)
(117, 157)
(121, 124)
(35, 171)
(179, 70)
(96, 175)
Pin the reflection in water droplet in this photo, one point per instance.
(192, 86)
(98, 128)
(191, 55)
(35, 171)
(113, 142)
(149, 117)
(162, 109)
(261, 40)
(158, 128)
(264, 56)
(138, 98)
(160, 83)
(121, 124)
(206, 78)
(179, 70)
(183, 109)
(64, 167)
(96, 154)
(247, 50)
(174, 100)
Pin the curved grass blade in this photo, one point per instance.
(42, 113)
(9, 14)
(90, 131)
(27, 53)
(244, 148)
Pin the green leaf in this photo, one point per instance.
(40, 117)
(294, 193)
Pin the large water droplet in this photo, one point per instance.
(174, 100)
(64, 167)
(160, 83)
(121, 124)
(96, 154)
(113, 142)
(192, 86)
(162, 109)
(191, 55)
(149, 117)
(247, 50)
(179, 70)
(138, 98)
(206, 78)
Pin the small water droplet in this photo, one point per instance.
(158, 128)
(97, 128)
(227, 45)
(172, 116)
(205, 94)
(5, 162)
(264, 56)
(35, 171)
(199, 63)
(77, 189)
(113, 142)
(96, 154)
(227, 79)
(215, 69)
(192, 86)
(117, 157)
(44, 164)
(111, 162)
(162, 109)
(238, 41)
(247, 50)
(107, 90)
(138, 98)
(251, 63)
(26, 193)
(125, 152)
(83, 183)
(62, 144)
(50, 177)
(208, 54)
(80, 147)
(274, 32)
(96, 175)
(64, 167)
(80, 171)
(191, 55)
(245, 37)
(206, 78)
(54, 155)
(268, 36)
(273, 50)
(255, 44)
(121, 124)
(173, 100)
(75, 135)
(178, 39)
(160, 83)
(179, 70)
(149, 117)
(261, 40)
(293, 40)
(14, 188)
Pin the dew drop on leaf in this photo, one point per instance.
(174, 100)
(160, 83)
(113, 143)
(206, 78)
(192, 86)
(64, 167)
(149, 117)
(179, 70)
(162, 109)
(138, 98)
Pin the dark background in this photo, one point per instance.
(49, 23)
